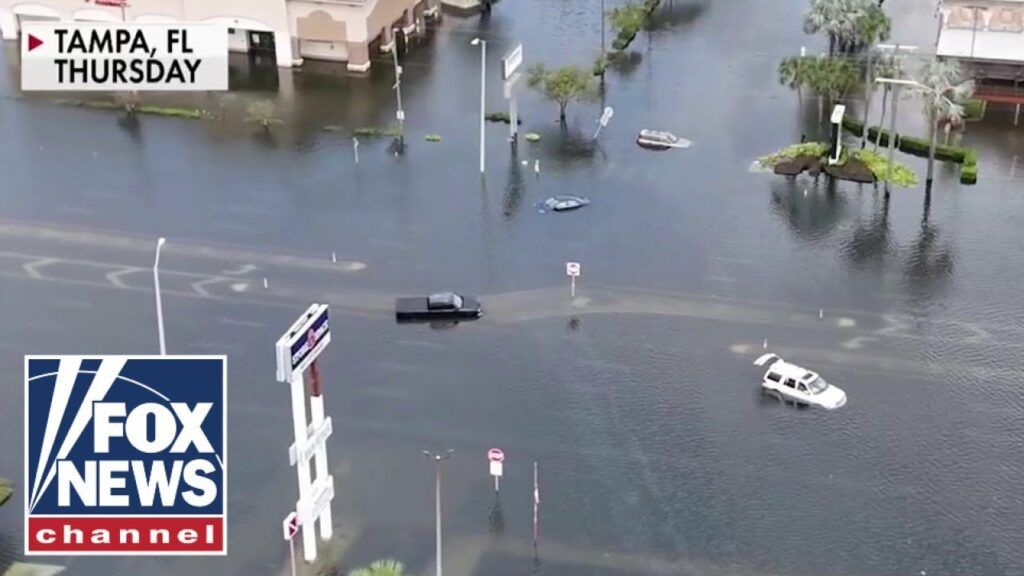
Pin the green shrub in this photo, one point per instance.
(879, 166)
(532, 137)
(910, 144)
(812, 149)
(376, 132)
(975, 110)
(432, 138)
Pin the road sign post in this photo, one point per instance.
(606, 117)
(572, 269)
(290, 526)
(496, 459)
(297, 351)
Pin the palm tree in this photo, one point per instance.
(872, 27)
(944, 90)
(793, 73)
(847, 23)
(886, 67)
(380, 568)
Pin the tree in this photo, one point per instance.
(380, 568)
(129, 101)
(562, 86)
(628, 19)
(944, 91)
(886, 67)
(262, 112)
(872, 27)
(849, 24)
(794, 73)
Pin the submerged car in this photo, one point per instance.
(564, 203)
(439, 306)
(798, 383)
(660, 140)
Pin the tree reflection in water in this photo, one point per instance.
(871, 240)
(812, 216)
(929, 261)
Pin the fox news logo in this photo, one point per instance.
(125, 455)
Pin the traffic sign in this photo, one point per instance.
(572, 269)
(510, 63)
(495, 455)
(607, 115)
(290, 526)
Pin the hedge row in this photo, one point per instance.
(966, 157)
(626, 36)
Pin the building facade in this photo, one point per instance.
(988, 37)
(339, 30)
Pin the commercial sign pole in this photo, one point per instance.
(510, 73)
(159, 303)
(297, 350)
(483, 97)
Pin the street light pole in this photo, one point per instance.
(896, 84)
(438, 459)
(400, 114)
(159, 304)
(483, 96)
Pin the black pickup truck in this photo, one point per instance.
(441, 306)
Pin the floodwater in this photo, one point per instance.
(657, 454)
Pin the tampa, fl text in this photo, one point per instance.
(147, 65)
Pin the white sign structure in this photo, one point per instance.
(496, 458)
(511, 63)
(511, 75)
(572, 269)
(90, 56)
(296, 351)
(606, 117)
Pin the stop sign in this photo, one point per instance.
(495, 455)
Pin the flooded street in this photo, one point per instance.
(657, 452)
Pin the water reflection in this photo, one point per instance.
(514, 187)
(496, 517)
(871, 239)
(811, 209)
(929, 262)
(676, 13)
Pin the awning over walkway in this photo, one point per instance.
(987, 45)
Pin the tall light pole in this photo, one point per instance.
(483, 94)
(896, 84)
(438, 459)
(400, 114)
(868, 87)
(159, 304)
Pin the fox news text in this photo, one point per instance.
(125, 455)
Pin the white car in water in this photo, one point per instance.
(798, 383)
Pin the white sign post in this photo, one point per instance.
(496, 458)
(572, 269)
(511, 75)
(290, 527)
(606, 116)
(297, 351)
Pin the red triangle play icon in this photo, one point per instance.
(33, 42)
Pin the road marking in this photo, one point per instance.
(32, 268)
(200, 286)
(244, 269)
(857, 342)
(115, 276)
(240, 286)
(419, 343)
(74, 304)
(246, 323)
(846, 322)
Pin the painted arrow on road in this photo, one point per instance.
(32, 268)
(115, 276)
(241, 270)
(200, 286)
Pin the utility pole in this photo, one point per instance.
(896, 50)
(896, 84)
(438, 460)
(400, 113)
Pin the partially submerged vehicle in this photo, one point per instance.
(798, 383)
(439, 306)
(564, 203)
(660, 140)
